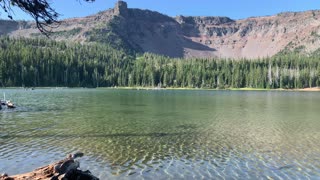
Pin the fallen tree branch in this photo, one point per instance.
(66, 169)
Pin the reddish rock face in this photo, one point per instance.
(149, 31)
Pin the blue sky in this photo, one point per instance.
(235, 9)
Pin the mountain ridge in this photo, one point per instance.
(139, 30)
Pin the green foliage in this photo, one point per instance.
(64, 33)
(315, 34)
(108, 34)
(39, 62)
(69, 33)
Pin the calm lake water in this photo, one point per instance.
(165, 134)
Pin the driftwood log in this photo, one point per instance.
(66, 169)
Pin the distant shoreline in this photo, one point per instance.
(313, 89)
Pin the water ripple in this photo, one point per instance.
(192, 135)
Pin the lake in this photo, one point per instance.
(164, 134)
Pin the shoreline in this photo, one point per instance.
(313, 89)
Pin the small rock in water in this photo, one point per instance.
(78, 154)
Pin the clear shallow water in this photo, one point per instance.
(165, 134)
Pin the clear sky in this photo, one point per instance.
(235, 9)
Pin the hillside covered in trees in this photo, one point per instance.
(41, 62)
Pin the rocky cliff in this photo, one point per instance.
(148, 31)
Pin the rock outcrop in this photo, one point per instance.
(184, 36)
(121, 8)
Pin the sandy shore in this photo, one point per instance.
(314, 89)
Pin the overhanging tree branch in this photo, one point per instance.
(40, 10)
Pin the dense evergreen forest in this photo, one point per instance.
(42, 62)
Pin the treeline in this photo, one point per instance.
(42, 62)
(39, 62)
(289, 71)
